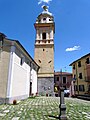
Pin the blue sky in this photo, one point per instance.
(72, 26)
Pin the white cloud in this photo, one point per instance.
(45, 1)
(73, 48)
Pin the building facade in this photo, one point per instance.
(44, 51)
(81, 75)
(18, 71)
(63, 79)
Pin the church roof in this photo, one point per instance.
(62, 73)
(45, 11)
(20, 45)
(80, 59)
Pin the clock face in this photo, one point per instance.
(39, 61)
(50, 61)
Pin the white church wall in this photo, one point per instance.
(20, 80)
(34, 81)
(18, 70)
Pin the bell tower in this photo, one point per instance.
(44, 51)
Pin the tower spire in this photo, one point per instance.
(45, 8)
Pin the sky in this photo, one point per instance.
(72, 27)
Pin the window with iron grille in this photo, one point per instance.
(64, 79)
(81, 88)
(80, 75)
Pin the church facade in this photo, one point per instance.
(18, 71)
(44, 51)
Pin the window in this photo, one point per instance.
(73, 66)
(81, 88)
(79, 64)
(44, 19)
(74, 77)
(64, 79)
(80, 75)
(75, 88)
(50, 19)
(57, 78)
(88, 88)
(48, 41)
(38, 41)
(28, 62)
(21, 61)
(87, 60)
(44, 35)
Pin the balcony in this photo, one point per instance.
(87, 79)
(48, 41)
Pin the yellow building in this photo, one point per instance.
(81, 75)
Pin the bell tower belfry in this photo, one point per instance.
(44, 51)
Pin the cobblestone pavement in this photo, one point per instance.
(45, 108)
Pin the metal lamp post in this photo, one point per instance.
(62, 106)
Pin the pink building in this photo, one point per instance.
(63, 79)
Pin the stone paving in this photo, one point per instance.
(45, 108)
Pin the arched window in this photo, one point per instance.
(44, 19)
(44, 35)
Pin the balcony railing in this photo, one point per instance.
(87, 79)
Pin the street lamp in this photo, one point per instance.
(62, 106)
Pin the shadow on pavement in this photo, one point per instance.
(53, 116)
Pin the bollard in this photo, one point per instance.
(62, 106)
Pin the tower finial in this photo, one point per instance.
(45, 8)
